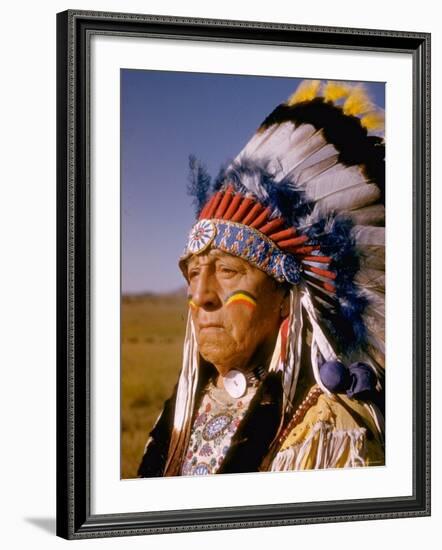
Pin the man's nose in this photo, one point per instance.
(204, 292)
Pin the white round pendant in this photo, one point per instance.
(235, 383)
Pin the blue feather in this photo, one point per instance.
(282, 197)
(344, 321)
(198, 183)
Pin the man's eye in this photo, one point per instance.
(225, 270)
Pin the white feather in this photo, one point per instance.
(376, 339)
(272, 142)
(369, 215)
(337, 178)
(304, 174)
(348, 199)
(376, 301)
(292, 159)
(285, 147)
(377, 356)
(368, 235)
(371, 279)
(296, 154)
(372, 257)
(326, 152)
(259, 139)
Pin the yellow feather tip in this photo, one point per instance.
(334, 91)
(306, 91)
(358, 102)
(353, 98)
(373, 121)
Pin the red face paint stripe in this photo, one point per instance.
(241, 301)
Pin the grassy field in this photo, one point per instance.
(153, 328)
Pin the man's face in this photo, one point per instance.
(236, 309)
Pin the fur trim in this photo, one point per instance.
(198, 184)
(255, 178)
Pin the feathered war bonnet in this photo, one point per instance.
(304, 202)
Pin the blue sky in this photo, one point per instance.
(165, 117)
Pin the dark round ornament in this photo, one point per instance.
(363, 379)
(335, 376)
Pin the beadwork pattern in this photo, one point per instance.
(217, 420)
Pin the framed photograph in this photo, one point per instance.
(243, 274)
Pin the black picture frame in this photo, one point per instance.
(74, 518)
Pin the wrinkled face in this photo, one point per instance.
(236, 309)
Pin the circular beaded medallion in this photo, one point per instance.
(216, 426)
(291, 269)
(201, 469)
(201, 235)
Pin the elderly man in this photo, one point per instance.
(236, 311)
(283, 354)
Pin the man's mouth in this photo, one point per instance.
(210, 326)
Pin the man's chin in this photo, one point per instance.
(221, 359)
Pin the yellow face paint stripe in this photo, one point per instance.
(242, 297)
(191, 302)
(237, 297)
